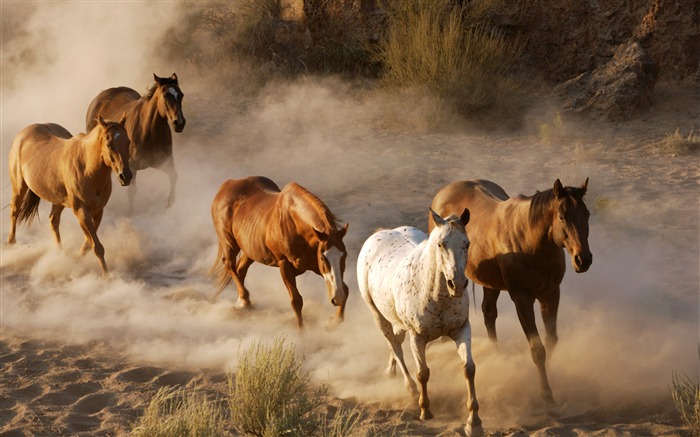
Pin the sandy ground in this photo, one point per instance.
(83, 355)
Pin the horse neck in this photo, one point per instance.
(425, 266)
(89, 151)
(153, 123)
(310, 209)
(534, 219)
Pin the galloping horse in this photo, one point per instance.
(147, 125)
(517, 245)
(289, 228)
(46, 163)
(415, 283)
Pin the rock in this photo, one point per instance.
(616, 91)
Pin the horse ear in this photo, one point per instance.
(464, 218)
(436, 217)
(156, 78)
(101, 121)
(122, 120)
(558, 188)
(344, 230)
(174, 77)
(584, 187)
(321, 235)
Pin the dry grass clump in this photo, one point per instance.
(686, 395)
(551, 132)
(174, 412)
(271, 395)
(450, 51)
(679, 144)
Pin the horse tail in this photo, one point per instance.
(219, 271)
(29, 208)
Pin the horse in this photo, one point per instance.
(415, 283)
(290, 228)
(147, 120)
(45, 162)
(518, 245)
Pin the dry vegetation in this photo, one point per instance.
(270, 395)
(452, 54)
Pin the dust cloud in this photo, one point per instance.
(624, 326)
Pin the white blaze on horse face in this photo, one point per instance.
(334, 277)
(174, 93)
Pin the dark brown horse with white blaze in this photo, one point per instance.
(517, 244)
(70, 172)
(147, 121)
(290, 228)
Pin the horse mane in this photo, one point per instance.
(539, 202)
(152, 90)
(326, 214)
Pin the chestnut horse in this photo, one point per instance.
(415, 283)
(147, 125)
(517, 244)
(290, 228)
(46, 163)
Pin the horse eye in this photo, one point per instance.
(561, 217)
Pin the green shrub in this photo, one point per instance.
(686, 395)
(270, 394)
(172, 412)
(450, 51)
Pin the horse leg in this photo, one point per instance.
(549, 308)
(391, 367)
(490, 310)
(418, 347)
(526, 314)
(463, 340)
(85, 219)
(169, 168)
(290, 280)
(239, 274)
(15, 205)
(96, 219)
(55, 219)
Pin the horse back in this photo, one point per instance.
(36, 158)
(110, 104)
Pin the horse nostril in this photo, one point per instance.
(334, 302)
(451, 283)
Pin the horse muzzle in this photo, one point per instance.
(456, 289)
(582, 261)
(179, 124)
(124, 178)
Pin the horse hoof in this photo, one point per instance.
(474, 430)
(426, 415)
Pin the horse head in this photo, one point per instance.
(451, 244)
(115, 148)
(170, 101)
(331, 261)
(570, 224)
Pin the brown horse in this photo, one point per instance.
(46, 163)
(517, 244)
(289, 228)
(147, 125)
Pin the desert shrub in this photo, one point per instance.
(271, 395)
(551, 132)
(679, 144)
(686, 395)
(173, 412)
(450, 51)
